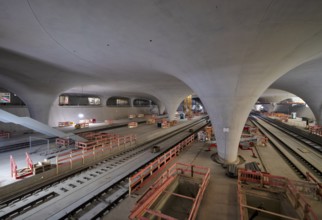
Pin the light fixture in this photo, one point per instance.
(80, 115)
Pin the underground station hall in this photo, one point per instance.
(161, 110)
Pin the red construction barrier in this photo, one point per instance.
(268, 181)
(145, 203)
(101, 144)
(140, 178)
(4, 134)
(13, 167)
(65, 142)
(21, 173)
(65, 123)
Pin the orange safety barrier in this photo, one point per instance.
(316, 129)
(150, 121)
(65, 142)
(266, 181)
(92, 149)
(13, 167)
(144, 204)
(108, 121)
(4, 134)
(138, 180)
(165, 124)
(310, 178)
(132, 124)
(98, 139)
(20, 173)
(65, 123)
(84, 121)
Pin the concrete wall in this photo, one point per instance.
(69, 113)
(100, 113)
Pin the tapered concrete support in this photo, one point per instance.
(39, 106)
(318, 115)
(172, 101)
(228, 121)
(161, 108)
(171, 109)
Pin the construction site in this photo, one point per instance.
(169, 110)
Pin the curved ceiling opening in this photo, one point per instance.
(279, 101)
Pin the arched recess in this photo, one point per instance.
(305, 82)
(196, 105)
(102, 112)
(285, 102)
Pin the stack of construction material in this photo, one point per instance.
(41, 167)
(108, 121)
(132, 124)
(85, 121)
(63, 142)
(81, 125)
(97, 139)
(253, 166)
(4, 134)
(65, 123)
(165, 124)
(316, 129)
(150, 121)
(232, 171)
(173, 123)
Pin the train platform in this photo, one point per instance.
(48, 151)
(25, 137)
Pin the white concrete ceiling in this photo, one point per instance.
(227, 52)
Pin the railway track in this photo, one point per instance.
(313, 141)
(296, 157)
(92, 192)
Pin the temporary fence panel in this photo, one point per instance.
(270, 181)
(137, 180)
(91, 151)
(20, 173)
(156, 189)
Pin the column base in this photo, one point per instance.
(215, 157)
